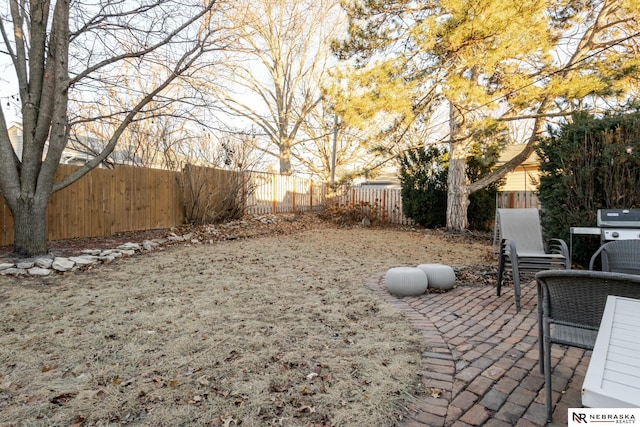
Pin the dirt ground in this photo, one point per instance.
(259, 323)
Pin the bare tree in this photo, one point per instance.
(274, 74)
(153, 136)
(66, 53)
(328, 149)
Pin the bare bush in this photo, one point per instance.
(363, 212)
(212, 195)
(217, 189)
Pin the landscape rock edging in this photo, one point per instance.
(45, 265)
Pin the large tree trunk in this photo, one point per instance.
(285, 159)
(30, 231)
(457, 190)
(457, 185)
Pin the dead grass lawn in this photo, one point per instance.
(272, 330)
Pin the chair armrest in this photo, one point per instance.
(508, 248)
(594, 257)
(559, 246)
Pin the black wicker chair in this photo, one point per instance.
(522, 250)
(621, 256)
(570, 308)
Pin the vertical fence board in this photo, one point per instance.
(275, 192)
(118, 196)
(96, 217)
(112, 194)
(144, 196)
(6, 223)
(129, 190)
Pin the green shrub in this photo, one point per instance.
(423, 178)
(423, 175)
(482, 204)
(586, 165)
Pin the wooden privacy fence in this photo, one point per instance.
(383, 204)
(210, 193)
(127, 198)
(517, 199)
(272, 193)
(106, 202)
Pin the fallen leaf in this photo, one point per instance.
(129, 381)
(68, 373)
(46, 368)
(278, 387)
(63, 398)
(305, 408)
(307, 391)
(33, 400)
(227, 421)
(435, 392)
(78, 421)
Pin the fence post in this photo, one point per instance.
(274, 193)
(243, 178)
(293, 193)
(384, 204)
(311, 195)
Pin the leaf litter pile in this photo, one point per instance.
(276, 329)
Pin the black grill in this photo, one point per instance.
(619, 224)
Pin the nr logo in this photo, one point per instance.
(579, 418)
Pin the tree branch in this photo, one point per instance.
(185, 62)
(166, 40)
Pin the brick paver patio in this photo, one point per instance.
(482, 359)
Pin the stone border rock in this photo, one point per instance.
(46, 265)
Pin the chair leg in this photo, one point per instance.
(541, 333)
(547, 377)
(516, 289)
(516, 284)
(500, 273)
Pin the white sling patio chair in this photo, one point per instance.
(522, 250)
(622, 256)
